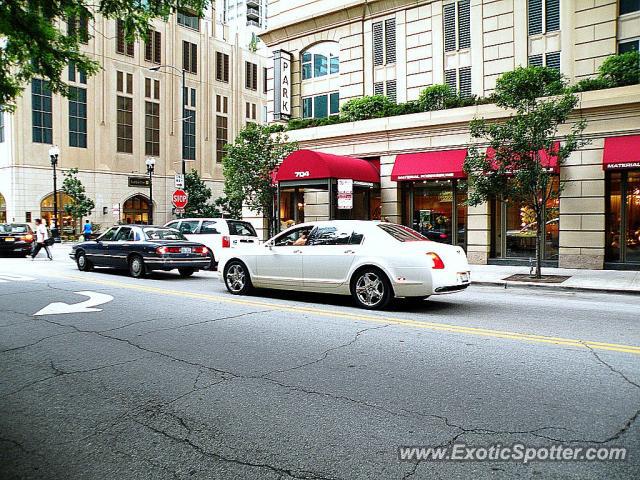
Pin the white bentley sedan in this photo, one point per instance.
(371, 261)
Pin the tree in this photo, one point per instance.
(82, 205)
(248, 167)
(42, 37)
(516, 171)
(200, 200)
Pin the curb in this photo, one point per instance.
(537, 286)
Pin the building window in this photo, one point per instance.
(1, 126)
(321, 106)
(457, 25)
(222, 67)
(78, 25)
(189, 125)
(152, 88)
(124, 82)
(41, 108)
(459, 80)
(264, 80)
(153, 47)
(384, 42)
(388, 88)
(190, 57)
(320, 60)
(251, 111)
(122, 45)
(628, 46)
(535, 61)
(78, 117)
(251, 76)
(125, 124)
(543, 13)
(221, 137)
(222, 104)
(622, 216)
(76, 75)
(151, 117)
(551, 60)
(629, 6)
(189, 20)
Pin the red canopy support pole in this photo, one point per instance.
(330, 190)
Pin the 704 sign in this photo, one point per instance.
(302, 174)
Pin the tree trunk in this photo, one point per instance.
(539, 237)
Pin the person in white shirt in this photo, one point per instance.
(41, 240)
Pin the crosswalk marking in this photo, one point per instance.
(10, 277)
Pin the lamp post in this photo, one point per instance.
(151, 165)
(54, 152)
(183, 96)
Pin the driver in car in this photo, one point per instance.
(302, 239)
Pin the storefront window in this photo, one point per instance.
(623, 217)
(67, 223)
(3, 209)
(136, 210)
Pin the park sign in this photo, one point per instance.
(179, 199)
(282, 85)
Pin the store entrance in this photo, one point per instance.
(623, 219)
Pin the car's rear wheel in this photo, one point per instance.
(84, 264)
(186, 272)
(236, 278)
(371, 289)
(137, 268)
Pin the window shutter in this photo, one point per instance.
(535, 17)
(255, 76)
(378, 56)
(185, 56)
(264, 80)
(553, 60)
(247, 73)
(464, 24)
(450, 79)
(226, 68)
(392, 90)
(449, 19)
(552, 15)
(157, 45)
(219, 66)
(390, 40)
(148, 46)
(119, 36)
(194, 58)
(535, 61)
(465, 82)
(378, 88)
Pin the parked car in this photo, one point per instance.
(371, 261)
(16, 238)
(216, 233)
(141, 249)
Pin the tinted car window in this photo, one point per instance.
(172, 225)
(241, 228)
(5, 228)
(356, 238)
(402, 233)
(14, 228)
(190, 226)
(209, 227)
(108, 235)
(125, 234)
(330, 235)
(162, 234)
(291, 237)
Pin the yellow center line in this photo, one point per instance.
(444, 327)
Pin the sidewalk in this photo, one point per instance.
(609, 281)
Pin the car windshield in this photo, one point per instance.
(162, 234)
(237, 227)
(402, 233)
(14, 228)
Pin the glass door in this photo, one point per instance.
(623, 217)
(632, 218)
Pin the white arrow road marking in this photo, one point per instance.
(95, 299)
(10, 277)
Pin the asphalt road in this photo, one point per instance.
(175, 378)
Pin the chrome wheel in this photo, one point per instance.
(236, 278)
(136, 267)
(370, 289)
(82, 261)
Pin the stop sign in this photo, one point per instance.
(179, 198)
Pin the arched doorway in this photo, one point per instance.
(136, 210)
(67, 224)
(3, 209)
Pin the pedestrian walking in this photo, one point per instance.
(88, 230)
(42, 240)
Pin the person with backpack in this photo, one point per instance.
(42, 240)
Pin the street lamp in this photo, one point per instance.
(184, 99)
(151, 165)
(54, 152)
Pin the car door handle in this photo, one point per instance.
(297, 251)
(349, 251)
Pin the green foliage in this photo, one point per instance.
(366, 107)
(589, 84)
(200, 205)
(38, 45)
(437, 97)
(516, 171)
(298, 123)
(82, 205)
(248, 166)
(406, 108)
(621, 70)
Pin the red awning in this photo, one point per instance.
(550, 162)
(312, 165)
(621, 152)
(429, 165)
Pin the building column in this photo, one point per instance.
(479, 234)
(389, 191)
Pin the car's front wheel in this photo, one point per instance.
(84, 264)
(236, 278)
(186, 272)
(137, 268)
(371, 289)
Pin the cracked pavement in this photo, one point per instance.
(162, 386)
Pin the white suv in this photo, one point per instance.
(216, 233)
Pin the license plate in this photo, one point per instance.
(185, 250)
(9, 239)
(463, 277)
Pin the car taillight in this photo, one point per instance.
(164, 250)
(443, 235)
(201, 250)
(27, 238)
(438, 264)
(226, 241)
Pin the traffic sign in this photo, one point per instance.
(179, 199)
(179, 180)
